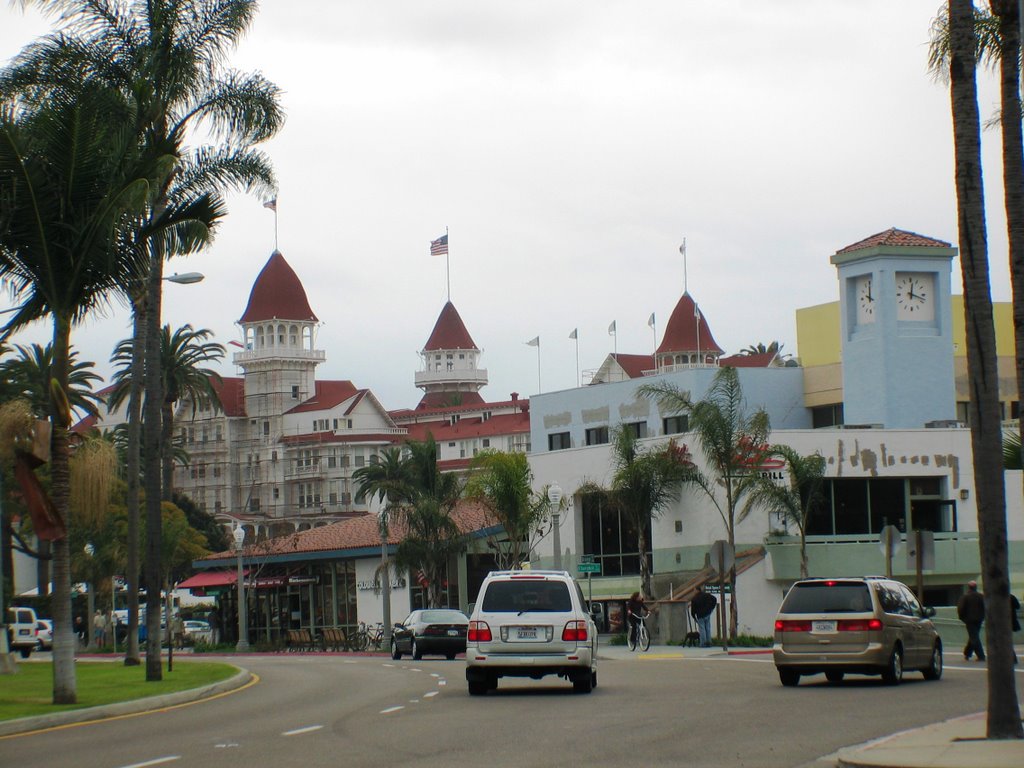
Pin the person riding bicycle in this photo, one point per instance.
(635, 610)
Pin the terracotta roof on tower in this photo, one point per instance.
(895, 237)
(449, 332)
(634, 365)
(681, 333)
(277, 294)
(231, 391)
(443, 399)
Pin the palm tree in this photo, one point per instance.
(388, 480)
(794, 502)
(760, 348)
(1003, 708)
(733, 443)
(503, 483)
(28, 376)
(644, 483)
(68, 176)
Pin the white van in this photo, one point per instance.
(22, 630)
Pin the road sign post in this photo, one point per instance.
(723, 558)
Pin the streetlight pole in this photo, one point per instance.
(243, 626)
(90, 550)
(6, 659)
(555, 499)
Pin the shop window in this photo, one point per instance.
(611, 537)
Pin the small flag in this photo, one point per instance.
(682, 248)
(650, 321)
(611, 329)
(237, 344)
(271, 204)
(439, 247)
(534, 342)
(696, 311)
(574, 335)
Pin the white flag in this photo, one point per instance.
(611, 329)
(696, 311)
(650, 321)
(534, 342)
(574, 334)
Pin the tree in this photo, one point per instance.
(644, 483)
(388, 480)
(28, 376)
(760, 349)
(1003, 708)
(795, 501)
(733, 443)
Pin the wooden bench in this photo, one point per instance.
(299, 640)
(334, 639)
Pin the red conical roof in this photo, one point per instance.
(681, 333)
(277, 294)
(895, 237)
(449, 332)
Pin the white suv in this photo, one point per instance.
(530, 624)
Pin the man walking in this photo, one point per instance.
(971, 610)
(701, 608)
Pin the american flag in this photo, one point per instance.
(439, 247)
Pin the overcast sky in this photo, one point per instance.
(569, 147)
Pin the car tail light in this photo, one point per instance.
(792, 626)
(575, 631)
(859, 625)
(478, 632)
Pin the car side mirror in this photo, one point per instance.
(595, 610)
(928, 612)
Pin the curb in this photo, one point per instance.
(135, 706)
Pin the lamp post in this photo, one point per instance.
(243, 627)
(90, 550)
(555, 500)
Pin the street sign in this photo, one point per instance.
(890, 540)
(589, 568)
(714, 589)
(926, 541)
(586, 558)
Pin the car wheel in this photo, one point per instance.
(477, 687)
(934, 669)
(451, 656)
(593, 677)
(416, 652)
(789, 678)
(834, 676)
(395, 653)
(492, 682)
(893, 672)
(25, 652)
(583, 683)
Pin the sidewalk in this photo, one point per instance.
(956, 743)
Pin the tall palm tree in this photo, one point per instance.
(503, 482)
(733, 442)
(28, 376)
(388, 480)
(1003, 708)
(69, 176)
(794, 502)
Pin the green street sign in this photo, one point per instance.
(589, 567)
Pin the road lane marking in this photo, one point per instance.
(428, 694)
(389, 710)
(434, 674)
(157, 761)
(442, 682)
(299, 731)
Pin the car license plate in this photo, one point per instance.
(823, 626)
(526, 633)
(453, 633)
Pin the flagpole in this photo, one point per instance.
(275, 224)
(682, 250)
(538, 366)
(577, 340)
(448, 264)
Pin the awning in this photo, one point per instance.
(208, 579)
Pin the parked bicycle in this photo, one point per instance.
(368, 637)
(639, 636)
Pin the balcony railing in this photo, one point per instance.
(265, 353)
(464, 376)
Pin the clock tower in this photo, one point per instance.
(897, 338)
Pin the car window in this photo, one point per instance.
(827, 597)
(519, 596)
(913, 606)
(444, 617)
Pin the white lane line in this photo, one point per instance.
(414, 701)
(434, 674)
(298, 731)
(442, 682)
(389, 710)
(157, 761)
(387, 665)
(415, 669)
(428, 694)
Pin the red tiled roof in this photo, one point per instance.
(343, 437)
(681, 333)
(443, 409)
(87, 423)
(277, 293)
(895, 237)
(231, 391)
(440, 400)
(748, 361)
(328, 394)
(449, 332)
(498, 424)
(634, 365)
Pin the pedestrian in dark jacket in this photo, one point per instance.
(701, 608)
(971, 610)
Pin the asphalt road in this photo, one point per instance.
(307, 712)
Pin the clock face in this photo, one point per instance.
(865, 300)
(915, 298)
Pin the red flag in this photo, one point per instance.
(46, 520)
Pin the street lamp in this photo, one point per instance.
(243, 628)
(185, 278)
(555, 499)
(90, 550)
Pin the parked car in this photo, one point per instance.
(868, 626)
(530, 624)
(44, 633)
(435, 630)
(22, 630)
(196, 630)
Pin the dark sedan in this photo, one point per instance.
(433, 630)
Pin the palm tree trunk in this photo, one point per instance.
(734, 613)
(1003, 709)
(151, 470)
(131, 655)
(645, 575)
(166, 451)
(65, 685)
(385, 579)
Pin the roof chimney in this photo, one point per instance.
(515, 397)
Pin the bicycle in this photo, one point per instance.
(369, 637)
(640, 636)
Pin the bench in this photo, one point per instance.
(299, 640)
(334, 639)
